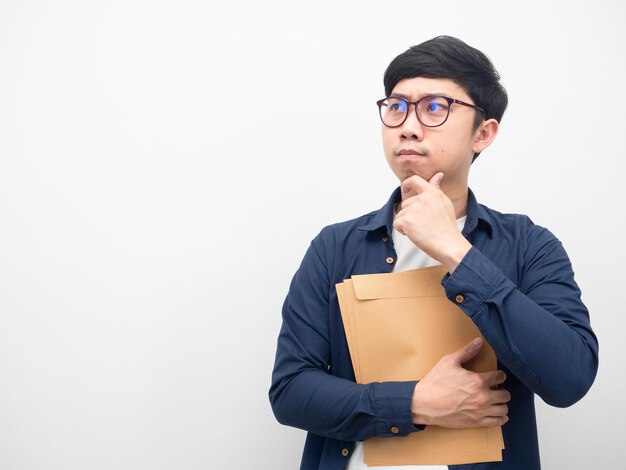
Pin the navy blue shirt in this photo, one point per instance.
(519, 290)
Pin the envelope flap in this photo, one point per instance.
(424, 282)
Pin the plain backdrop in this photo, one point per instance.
(165, 164)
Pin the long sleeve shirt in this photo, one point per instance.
(516, 284)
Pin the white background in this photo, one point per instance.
(149, 228)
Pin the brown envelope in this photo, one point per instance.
(398, 326)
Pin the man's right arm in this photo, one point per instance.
(304, 394)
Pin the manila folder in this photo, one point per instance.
(398, 325)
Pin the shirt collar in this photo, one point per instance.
(476, 215)
(384, 216)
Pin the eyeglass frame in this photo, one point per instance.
(415, 103)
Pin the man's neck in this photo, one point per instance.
(458, 196)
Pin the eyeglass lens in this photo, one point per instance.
(431, 111)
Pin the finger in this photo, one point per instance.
(498, 397)
(415, 184)
(489, 421)
(494, 378)
(399, 225)
(468, 351)
(501, 396)
(436, 180)
(497, 410)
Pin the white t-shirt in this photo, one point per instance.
(408, 256)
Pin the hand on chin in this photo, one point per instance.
(426, 175)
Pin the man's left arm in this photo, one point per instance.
(539, 329)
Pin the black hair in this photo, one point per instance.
(449, 57)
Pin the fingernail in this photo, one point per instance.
(477, 342)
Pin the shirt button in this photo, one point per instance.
(394, 430)
(385, 239)
(389, 260)
(345, 452)
(459, 299)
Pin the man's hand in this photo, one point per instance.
(453, 397)
(428, 219)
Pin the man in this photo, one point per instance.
(511, 277)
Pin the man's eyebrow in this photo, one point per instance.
(421, 95)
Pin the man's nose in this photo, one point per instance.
(412, 128)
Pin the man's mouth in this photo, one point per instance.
(410, 152)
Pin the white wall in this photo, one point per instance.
(149, 230)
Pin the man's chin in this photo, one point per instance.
(422, 174)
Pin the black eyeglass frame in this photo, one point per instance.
(415, 103)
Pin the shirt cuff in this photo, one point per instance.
(394, 402)
(472, 281)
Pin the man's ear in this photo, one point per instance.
(485, 134)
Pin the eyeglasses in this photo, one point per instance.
(431, 110)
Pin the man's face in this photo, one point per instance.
(414, 149)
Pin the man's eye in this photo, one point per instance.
(435, 107)
(398, 107)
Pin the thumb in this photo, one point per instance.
(469, 351)
(435, 180)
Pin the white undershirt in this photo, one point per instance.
(408, 256)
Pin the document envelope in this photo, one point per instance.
(398, 325)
